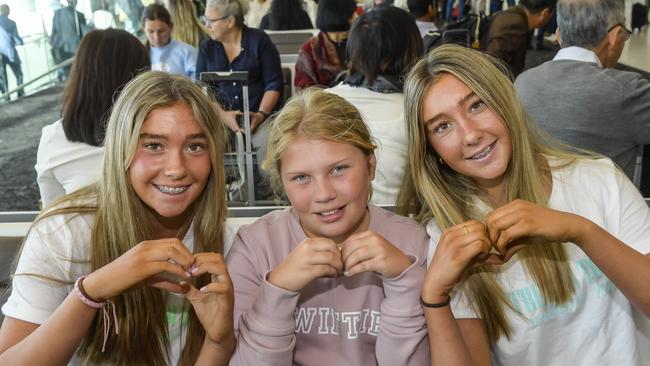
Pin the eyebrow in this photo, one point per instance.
(154, 136)
(331, 166)
(462, 100)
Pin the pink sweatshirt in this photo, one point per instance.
(360, 320)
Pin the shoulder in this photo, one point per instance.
(587, 177)
(275, 224)
(399, 230)
(61, 235)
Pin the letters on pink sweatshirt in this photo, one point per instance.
(360, 320)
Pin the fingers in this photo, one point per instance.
(324, 252)
(214, 264)
(170, 249)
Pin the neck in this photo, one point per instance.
(233, 38)
(601, 52)
(337, 37)
(532, 19)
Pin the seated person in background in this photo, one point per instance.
(166, 54)
(256, 10)
(187, 26)
(321, 60)
(424, 12)
(538, 254)
(144, 244)
(511, 30)
(286, 15)
(332, 280)
(378, 58)
(70, 151)
(578, 97)
(236, 47)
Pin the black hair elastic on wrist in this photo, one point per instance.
(435, 305)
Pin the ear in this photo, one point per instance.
(558, 39)
(372, 165)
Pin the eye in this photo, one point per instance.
(300, 178)
(153, 146)
(339, 169)
(195, 148)
(441, 128)
(477, 106)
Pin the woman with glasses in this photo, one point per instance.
(234, 47)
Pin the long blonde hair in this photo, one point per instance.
(187, 27)
(431, 190)
(122, 220)
(316, 114)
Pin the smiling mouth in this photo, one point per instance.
(483, 153)
(171, 190)
(329, 213)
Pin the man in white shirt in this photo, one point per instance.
(577, 97)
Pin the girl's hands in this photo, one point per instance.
(321, 257)
(519, 219)
(312, 258)
(148, 262)
(459, 247)
(368, 251)
(213, 303)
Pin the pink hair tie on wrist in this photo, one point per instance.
(83, 296)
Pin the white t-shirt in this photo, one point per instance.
(596, 326)
(62, 166)
(384, 115)
(58, 247)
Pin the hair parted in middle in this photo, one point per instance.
(385, 40)
(434, 191)
(315, 114)
(105, 61)
(122, 220)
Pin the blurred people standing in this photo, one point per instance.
(8, 54)
(68, 26)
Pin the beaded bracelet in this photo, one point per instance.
(435, 305)
(83, 296)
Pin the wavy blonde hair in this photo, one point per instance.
(316, 114)
(122, 220)
(432, 191)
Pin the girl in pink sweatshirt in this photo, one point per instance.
(332, 280)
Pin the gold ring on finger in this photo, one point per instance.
(465, 230)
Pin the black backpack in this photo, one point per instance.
(468, 32)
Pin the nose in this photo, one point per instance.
(324, 191)
(472, 134)
(175, 165)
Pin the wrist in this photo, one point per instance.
(264, 114)
(93, 289)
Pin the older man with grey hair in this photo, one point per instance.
(577, 97)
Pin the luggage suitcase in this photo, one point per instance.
(242, 187)
(639, 16)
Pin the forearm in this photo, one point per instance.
(269, 100)
(445, 338)
(628, 269)
(266, 329)
(55, 341)
(215, 354)
(402, 334)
